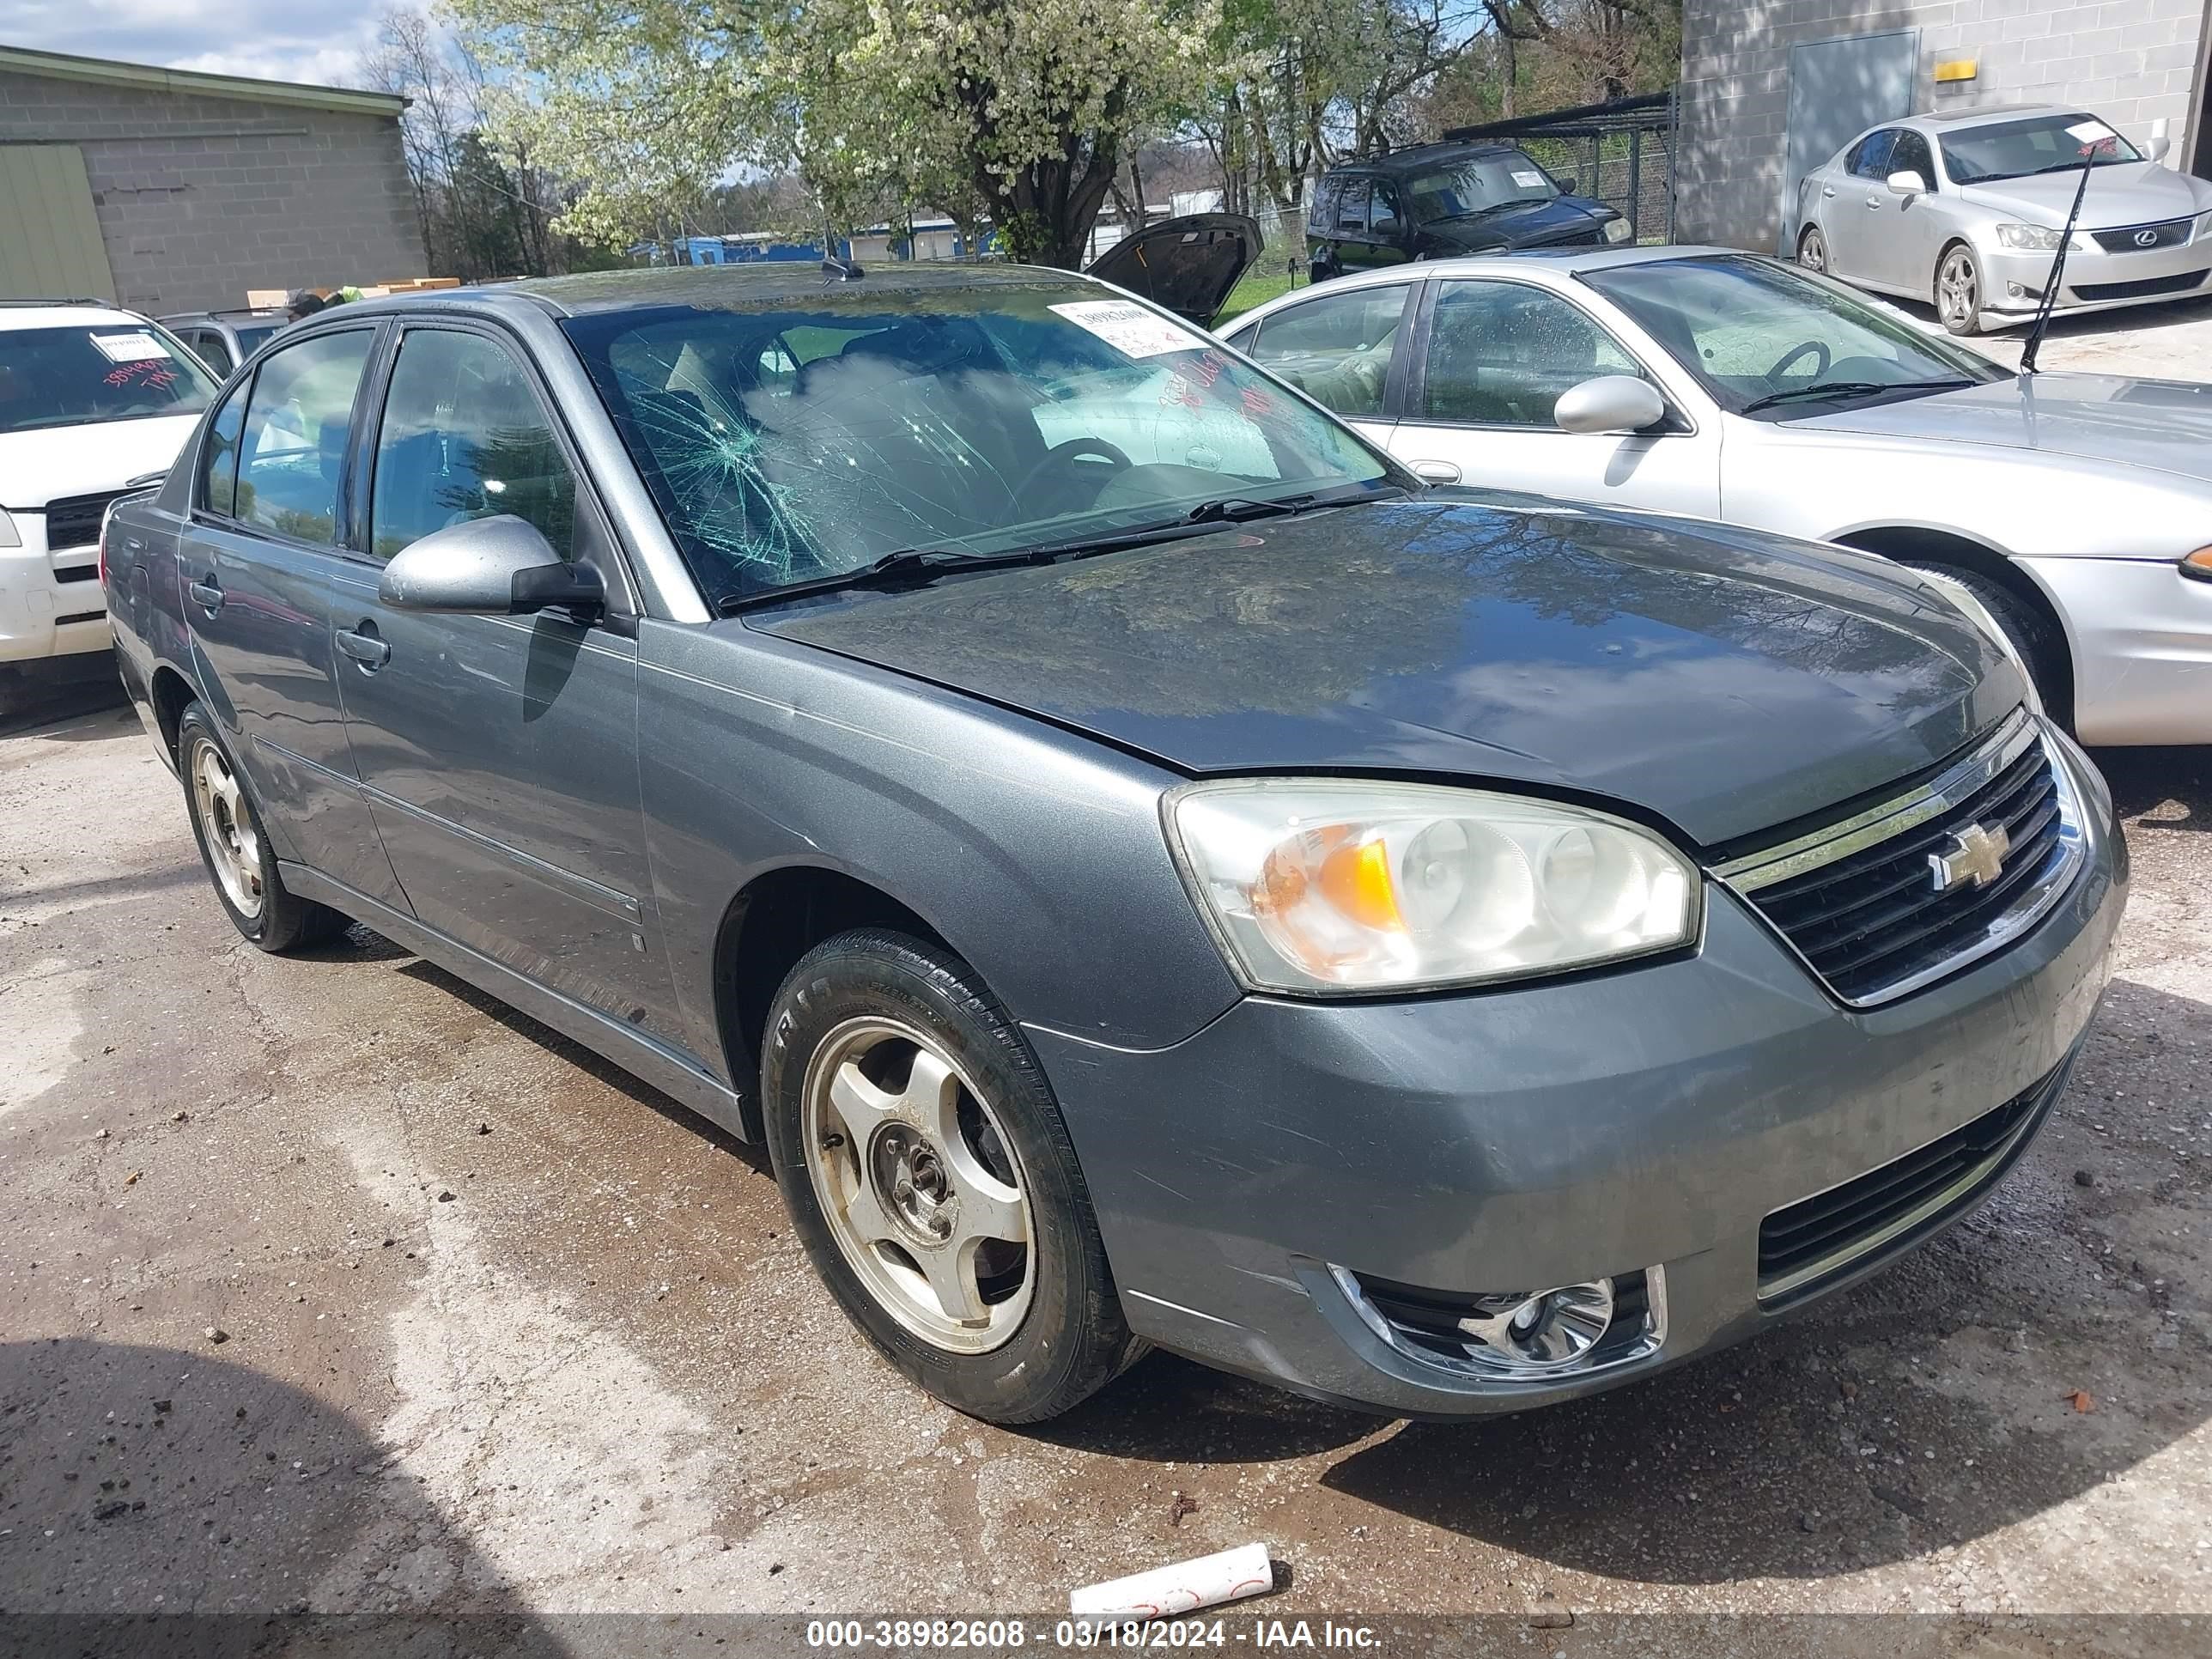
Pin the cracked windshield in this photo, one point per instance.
(813, 434)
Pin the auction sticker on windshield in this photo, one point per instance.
(1530, 180)
(2090, 132)
(1129, 329)
(135, 347)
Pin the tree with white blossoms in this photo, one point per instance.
(1025, 105)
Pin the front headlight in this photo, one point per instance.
(8, 537)
(1962, 599)
(2033, 237)
(1618, 230)
(1345, 886)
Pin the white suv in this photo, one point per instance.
(92, 400)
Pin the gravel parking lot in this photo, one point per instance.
(331, 1282)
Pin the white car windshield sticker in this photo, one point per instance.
(2090, 132)
(136, 347)
(1130, 328)
(1530, 180)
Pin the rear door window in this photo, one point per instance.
(1336, 347)
(218, 479)
(292, 453)
(1873, 154)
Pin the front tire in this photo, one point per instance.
(928, 1173)
(1959, 295)
(2040, 642)
(238, 857)
(1812, 249)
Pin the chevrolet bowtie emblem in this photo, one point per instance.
(1977, 854)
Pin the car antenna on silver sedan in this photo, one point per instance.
(2097, 139)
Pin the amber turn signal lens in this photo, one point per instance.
(2198, 564)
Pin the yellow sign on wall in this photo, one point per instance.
(1957, 69)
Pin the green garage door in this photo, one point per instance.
(52, 248)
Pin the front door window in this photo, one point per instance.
(1501, 353)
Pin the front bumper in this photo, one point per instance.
(2142, 638)
(1544, 1136)
(51, 605)
(2095, 280)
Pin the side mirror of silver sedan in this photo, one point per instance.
(1907, 183)
(498, 567)
(1611, 403)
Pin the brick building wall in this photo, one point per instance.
(200, 197)
(2133, 62)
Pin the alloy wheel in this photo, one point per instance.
(233, 844)
(1813, 251)
(1959, 290)
(918, 1184)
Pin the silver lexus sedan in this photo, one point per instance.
(1967, 211)
(2075, 509)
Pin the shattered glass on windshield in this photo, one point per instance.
(814, 436)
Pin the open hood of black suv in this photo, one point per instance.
(1188, 265)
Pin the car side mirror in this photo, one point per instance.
(1907, 183)
(1611, 403)
(1571, 185)
(2159, 148)
(499, 567)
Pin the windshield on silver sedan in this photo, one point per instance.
(1767, 339)
(2020, 149)
(818, 433)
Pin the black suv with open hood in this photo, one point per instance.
(1434, 201)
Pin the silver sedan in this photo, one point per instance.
(1967, 211)
(2075, 509)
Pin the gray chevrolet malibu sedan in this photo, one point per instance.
(1150, 873)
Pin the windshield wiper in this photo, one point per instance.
(1850, 389)
(913, 565)
(1240, 509)
(907, 564)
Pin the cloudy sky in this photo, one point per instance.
(284, 40)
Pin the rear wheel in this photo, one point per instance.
(237, 854)
(1958, 293)
(1812, 249)
(928, 1173)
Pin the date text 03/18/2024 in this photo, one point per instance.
(1008, 1635)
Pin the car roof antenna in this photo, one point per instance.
(2092, 147)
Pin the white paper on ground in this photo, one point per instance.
(1166, 1592)
(1129, 328)
(136, 347)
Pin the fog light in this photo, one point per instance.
(2016, 290)
(1542, 1332)
(1519, 1336)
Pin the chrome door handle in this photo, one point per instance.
(364, 647)
(207, 595)
(1874, 201)
(1437, 472)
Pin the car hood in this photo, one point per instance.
(1188, 265)
(2165, 425)
(1535, 224)
(2138, 193)
(1727, 681)
(51, 464)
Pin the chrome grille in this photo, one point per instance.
(2171, 233)
(1865, 903)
